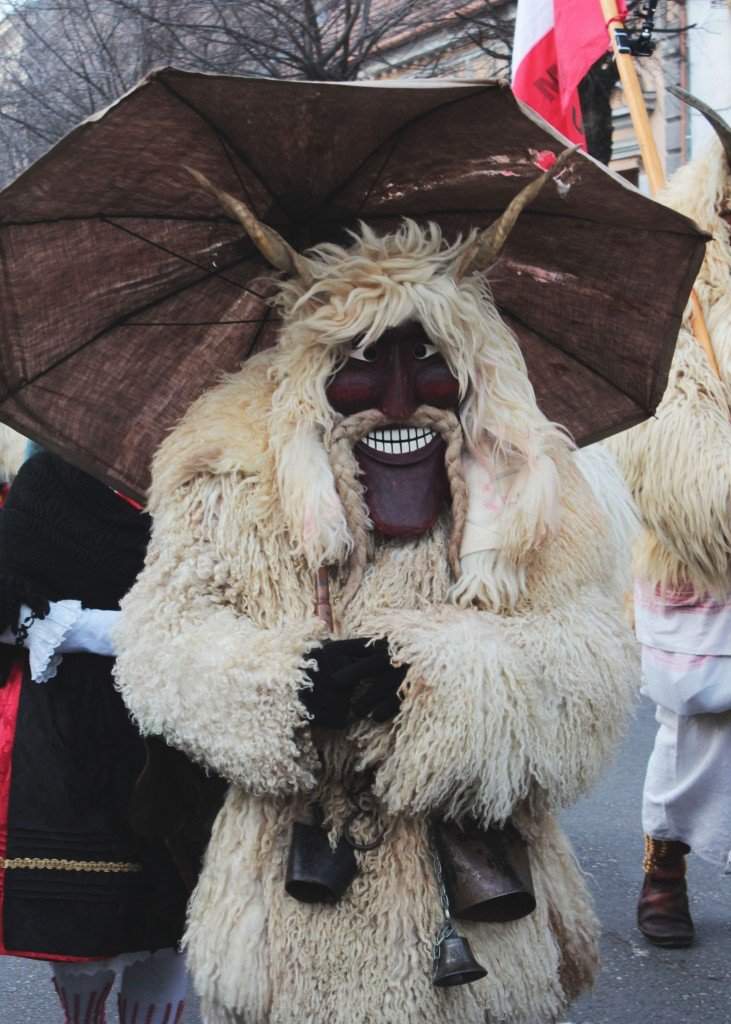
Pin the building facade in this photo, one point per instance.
(693, 50)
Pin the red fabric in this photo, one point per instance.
(582, 36)
(130, 501)
(536, 83)
(556, 43)
(9, 701)
(51, 957)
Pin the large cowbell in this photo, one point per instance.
(317, 873)
(486, 872)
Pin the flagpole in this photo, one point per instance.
(650, 156)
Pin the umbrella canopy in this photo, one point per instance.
(125, 290)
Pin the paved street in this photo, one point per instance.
(638, 983)
(26, 996)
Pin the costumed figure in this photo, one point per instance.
(388, 849)
(78, 887)
(678, 467)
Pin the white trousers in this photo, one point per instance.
(687, 794)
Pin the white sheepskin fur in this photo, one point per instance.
(678, 464)
(601, 470)
(523, 688)
(12, 452)
(504, 714)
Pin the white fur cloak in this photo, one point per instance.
(678, 463)
(678, 468)
(503, 715)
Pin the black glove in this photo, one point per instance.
(354, 679)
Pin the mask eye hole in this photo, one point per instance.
(366, 355)
(423, 350)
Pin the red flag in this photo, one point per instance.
(556, 42)
(582, 37)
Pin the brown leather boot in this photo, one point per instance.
(662, 912)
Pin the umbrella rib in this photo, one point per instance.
(185, 259)
(262, 324)
(391, 142)
(225, 141)
(496, 211)
(118, 216)
(457, 211)
(120, 322)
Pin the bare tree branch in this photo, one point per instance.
(65, 58)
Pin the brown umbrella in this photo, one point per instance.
(125, 290)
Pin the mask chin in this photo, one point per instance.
(404, 498)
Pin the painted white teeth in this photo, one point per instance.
(399, 441)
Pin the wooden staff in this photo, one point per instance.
(650, 156)
(323, 608)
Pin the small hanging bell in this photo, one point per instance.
(454, 963)
(452, 959)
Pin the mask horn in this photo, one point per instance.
(269, 242)
(722, 129)
(486, 247)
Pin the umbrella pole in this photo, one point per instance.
(650, 156)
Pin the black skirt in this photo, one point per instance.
(75, 880)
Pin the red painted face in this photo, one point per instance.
(402, 464)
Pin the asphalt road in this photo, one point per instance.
(638, 983)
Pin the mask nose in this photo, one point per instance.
(399, 393)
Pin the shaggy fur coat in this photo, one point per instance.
(502, 715)
(678, 464)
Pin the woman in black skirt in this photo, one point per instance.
(78, 886)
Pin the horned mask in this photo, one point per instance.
(400, 387)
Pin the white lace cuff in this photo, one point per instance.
(67, 629)
(92, 632)
(45, 637)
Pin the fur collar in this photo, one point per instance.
(224, 431)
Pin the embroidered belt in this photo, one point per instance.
(61, 864)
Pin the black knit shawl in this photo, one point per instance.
(65, 535)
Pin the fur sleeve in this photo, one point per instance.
(677, 468)
(497, 708)
(206, 678)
